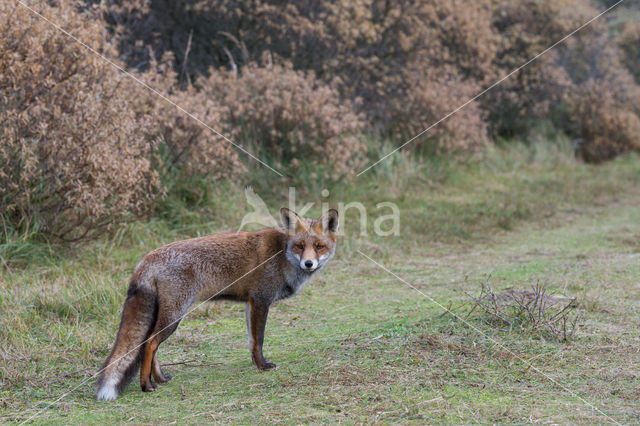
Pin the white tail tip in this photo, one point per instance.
(107, 392)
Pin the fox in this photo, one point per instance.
(257, 268)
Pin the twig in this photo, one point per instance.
(190, 363)
(184, 61)
(234, 67)
(530, 310)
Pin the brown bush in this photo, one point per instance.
(286, 114)
(83, 146)
(410, 61)
(606, 119)
(379, 52)
(424, 60)
(78, 143)
(191, 148)
(74, 157)
(581, 86)
(431, 99)
(603, 100)
(527, 28)
(290, 115)
(629, 42)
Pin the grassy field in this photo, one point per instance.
(359, 344)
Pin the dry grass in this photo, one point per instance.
(530, 311)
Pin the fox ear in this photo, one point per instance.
(291, 221)
(329, 221)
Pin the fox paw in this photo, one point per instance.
(149, 387)
(268, 366)
(163, 379)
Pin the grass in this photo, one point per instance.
(358, 345)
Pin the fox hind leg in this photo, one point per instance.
(158, 375)
(145, 369)
(150, 366)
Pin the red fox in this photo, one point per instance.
(257, 268)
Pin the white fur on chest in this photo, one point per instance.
(295, 278)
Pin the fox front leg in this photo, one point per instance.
(256, 312)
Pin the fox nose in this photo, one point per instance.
(308, 263)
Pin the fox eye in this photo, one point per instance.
(319, 246)
(300, 246)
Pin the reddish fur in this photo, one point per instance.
(258, 268)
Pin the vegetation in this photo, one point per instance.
(518, 215)
(534, 182)
(305, 87)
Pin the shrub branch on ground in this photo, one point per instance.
(533, 311)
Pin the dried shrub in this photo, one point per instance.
(604, 101)
(408, 61)
(430, 100)
(229, 69)
(74, 158)
(629, 42)
(83, 147)
(411, 62)
(526, 28)
(533, 311)
(606, 113)
(581, 86)
(290, 115)
(188, 148)
(79, 141)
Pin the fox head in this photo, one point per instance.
(312, 242)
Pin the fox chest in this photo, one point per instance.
(294, 281)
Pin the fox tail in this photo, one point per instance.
(138, 318)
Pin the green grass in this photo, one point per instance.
(358, 345)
